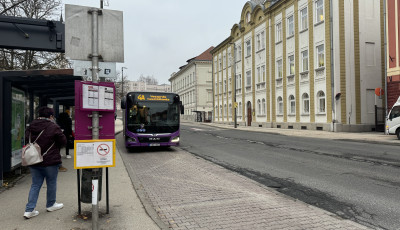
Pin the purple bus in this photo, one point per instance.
(151, 119)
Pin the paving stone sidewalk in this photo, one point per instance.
(189, 192)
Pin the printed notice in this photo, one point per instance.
(106, 98)
(90, 96)
(94, 153)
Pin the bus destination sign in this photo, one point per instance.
(151, 97)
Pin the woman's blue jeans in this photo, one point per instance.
(38, 175)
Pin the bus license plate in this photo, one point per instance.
(154, 144)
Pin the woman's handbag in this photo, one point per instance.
(31, 152)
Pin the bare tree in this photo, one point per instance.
(121, 86)
(11, 59)
(150, 80)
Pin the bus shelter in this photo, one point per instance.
(21, 92)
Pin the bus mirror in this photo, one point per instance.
(123, 103)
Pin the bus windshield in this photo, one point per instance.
(152, 117)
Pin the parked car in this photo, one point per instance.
(393, 120)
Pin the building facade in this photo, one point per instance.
(193, 83)
(392, 55)
(144, 86)
(301, 64)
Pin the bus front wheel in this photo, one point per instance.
(398, 133)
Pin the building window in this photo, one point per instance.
(259, 107)
(238, 81)
(291, 64)
(258, 42)
(263, 106)
(248, 78)
(321, 56)
(229, 59)
(239, 53)
(225, 86)
(278, 36)
(279, 69)
(306, 103)
(230, 110)
(220, 111)
(280, 105)
(304, 18)
(290, 26)
(321, 101)
(248, 17)
(220, 63)
(292, 103)
(230, 84)
(258, 74)
(304, 60)
(263, 73)
(319, 10)
(220, 87)
(262, 40)
(248, 48)
(224, 61)
(240, 109)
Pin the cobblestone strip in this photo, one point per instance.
(191, 193)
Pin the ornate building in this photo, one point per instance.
(301, 64)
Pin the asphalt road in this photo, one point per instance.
(358, 181)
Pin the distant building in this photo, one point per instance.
(193, 83)
(144, 86)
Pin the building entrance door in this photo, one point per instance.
(249, 115)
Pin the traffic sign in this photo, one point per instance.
(94, 153)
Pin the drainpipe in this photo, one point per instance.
(385, 59)
(332, 69)
(212, 87)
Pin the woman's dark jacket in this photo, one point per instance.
(52, 134)
(65, 123)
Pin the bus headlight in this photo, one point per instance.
(131, 139)
(175, 139)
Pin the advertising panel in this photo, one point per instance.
(17, 125)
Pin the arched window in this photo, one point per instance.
(321, 101)
(306, 103)
(280, 105)
(225, 112)
(259, 107)
(292, 105)
(263, 106)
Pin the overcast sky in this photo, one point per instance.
(161, 35)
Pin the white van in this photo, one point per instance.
(393, 120)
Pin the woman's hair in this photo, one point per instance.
(45, 112)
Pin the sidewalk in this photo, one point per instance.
(126, 210)
(369, 137)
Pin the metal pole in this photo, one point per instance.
(122, 82)
(385, 59)
(95, 114)
(333, 101)
(234, 84)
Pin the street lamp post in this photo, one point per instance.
(122, 81)
(234, 84)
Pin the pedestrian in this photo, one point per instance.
(51, 140)
(65, 123)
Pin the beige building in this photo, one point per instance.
(193, 83)
(302, 64)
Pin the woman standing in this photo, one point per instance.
(51, 140)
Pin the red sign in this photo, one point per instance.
(103, 149)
